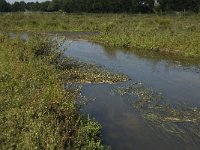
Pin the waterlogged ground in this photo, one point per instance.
(158, 108)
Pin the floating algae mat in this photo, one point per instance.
(180, 121)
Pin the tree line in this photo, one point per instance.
(103, 6)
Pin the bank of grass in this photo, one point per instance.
(166, 34)
(36, 110)
(171, 34)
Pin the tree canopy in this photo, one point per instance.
(103, 6)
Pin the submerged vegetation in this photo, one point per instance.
(36, 110)
(80, 72)
(174, 34)
(180, 121)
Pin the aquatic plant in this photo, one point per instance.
(180, 121)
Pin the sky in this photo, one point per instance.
(12, 1)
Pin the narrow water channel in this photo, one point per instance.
(123, 126)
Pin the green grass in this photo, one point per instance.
(36, 110)
(171, 34)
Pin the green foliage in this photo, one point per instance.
(36, 111)
(105, 6)
(168, 34)
(4, 6)
(175, 34)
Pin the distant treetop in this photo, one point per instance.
(103, 6)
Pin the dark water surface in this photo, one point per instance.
(179, 83)
(123, 127)
(24, 36)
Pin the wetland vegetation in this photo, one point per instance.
(168, 34)
(37, 111)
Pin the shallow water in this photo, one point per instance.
(123, 126)
(179, 83)
(24, 36)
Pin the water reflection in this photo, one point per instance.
(123, 127)
(24, 36)
(178, 81)
(110, 52)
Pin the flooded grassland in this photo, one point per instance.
(174, 34)
(142, 85)
(158, 105)
(37, 110)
